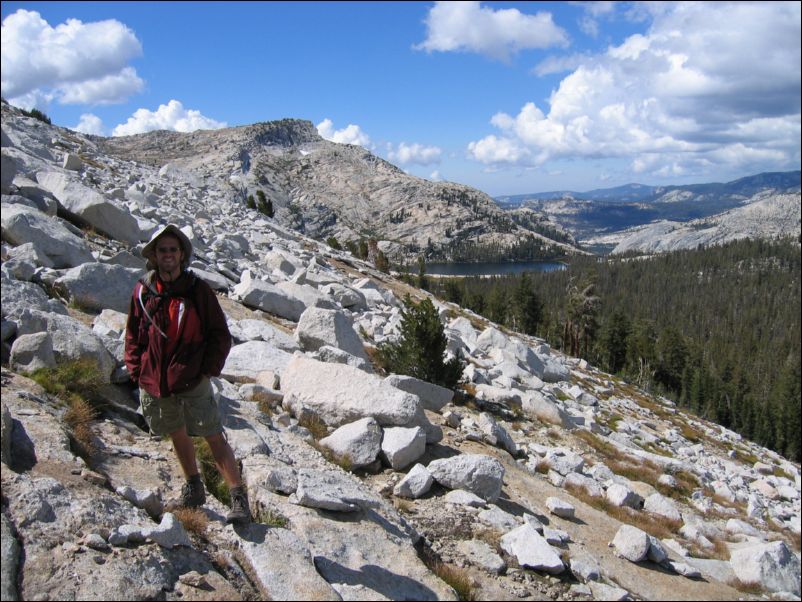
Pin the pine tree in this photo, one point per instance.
(421, 348)
(527, 308)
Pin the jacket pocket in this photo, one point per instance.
(184, 371)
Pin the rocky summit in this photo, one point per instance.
(324, 189)
(541, 478)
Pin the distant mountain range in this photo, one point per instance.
(783, 181)
(591, 216)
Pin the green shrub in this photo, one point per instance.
(420, 349)
(37, 114)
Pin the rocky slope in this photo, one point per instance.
(543, 479)
(325, 189)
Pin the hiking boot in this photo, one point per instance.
(240, 510)
(193, 495)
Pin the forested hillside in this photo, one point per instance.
(716, 329)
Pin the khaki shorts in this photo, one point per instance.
(195, 409)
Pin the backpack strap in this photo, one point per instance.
(145, 291)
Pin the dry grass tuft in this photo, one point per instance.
(194, 520)
(748, 588)
(79, 417)
(314, 424)
(459, 579)
(658, 526)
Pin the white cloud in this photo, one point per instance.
(110, 89)
(498, 150)
(559, 64)
(351, 134)
(90, 124)
(468, 26)
(709, 84)
(172, 116)
(74, 62)
(435, 175)
(415, 153)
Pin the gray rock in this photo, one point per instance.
(346, 296)
(662, 506)
(260, 330)
(269, 298)
(537, 405)
(496, 434)
(330, 490)
(560, 507)
(621, 495)
(97, 286)
(283, 566)
(150, 501)
(482, 555)
(358, 442)
(318, 327)
(478, 474)
(26, 225)
(169, 533)
(91, 207)
(415, 484)
(32, 351)
(585, 568)
(602, 591)
(401, 446)
(532, 550)
(328, 391)
(330, 354)
(20, 296)
(245, 361)
(460, 497)
(772, 566)
(498, 518)
(72, 340)
(631, 543)
(433, 397)
(10, 560)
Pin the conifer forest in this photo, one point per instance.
(717, 330)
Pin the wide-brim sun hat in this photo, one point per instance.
(149, 250)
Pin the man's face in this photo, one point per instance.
(169, 255)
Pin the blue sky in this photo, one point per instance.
(507, 97)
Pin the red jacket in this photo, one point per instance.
(162, 367)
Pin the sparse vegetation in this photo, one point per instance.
(653, 524)
(194, 520)
(37, 114)
(344, 461)
(457, 578)
(271, 518)
(314, 424)
(215, 484)
(79, 417)
(76, 384)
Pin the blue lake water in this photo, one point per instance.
(491, 269)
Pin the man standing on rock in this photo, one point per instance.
(175, 340)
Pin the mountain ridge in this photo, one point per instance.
(326, 189)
